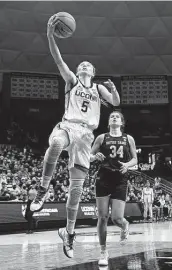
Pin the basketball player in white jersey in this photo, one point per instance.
(74, 133)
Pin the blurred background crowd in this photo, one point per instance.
(21, 169)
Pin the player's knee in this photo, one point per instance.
(117, 220)
(75, 191)
(56, 145)
(103, 218)
(53, 152)
(75, 194)
(60, 138)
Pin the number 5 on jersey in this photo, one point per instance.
(84, 107)
(115, 152)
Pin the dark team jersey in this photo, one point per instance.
(115, 149)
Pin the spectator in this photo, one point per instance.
(162, 203)
(29, 214)
(23, 194)
(15, 192)
(4, 193)
(165, 210)
(156, 207)
(50, 194)
(170, 209)
(132, 196)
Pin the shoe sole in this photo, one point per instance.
(64, 246)
(38, 210)
(102, 264)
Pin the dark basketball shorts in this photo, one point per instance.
(111, 183)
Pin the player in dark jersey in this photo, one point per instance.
(117, 153)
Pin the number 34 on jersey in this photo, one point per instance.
(116, 151)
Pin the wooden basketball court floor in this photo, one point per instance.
(149, 247)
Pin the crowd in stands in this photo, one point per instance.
(20, 170)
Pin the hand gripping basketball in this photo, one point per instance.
(52, 20)
(51, 26)
(61, 24)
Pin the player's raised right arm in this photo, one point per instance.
(65, 72)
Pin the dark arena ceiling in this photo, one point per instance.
(117, 37)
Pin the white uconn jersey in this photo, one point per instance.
(82, 105)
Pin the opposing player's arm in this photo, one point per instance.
(133, 152)
(113, 97)
(65, 72)
(95, 154)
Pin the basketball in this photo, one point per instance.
(65, 25)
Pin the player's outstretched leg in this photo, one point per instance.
(57, 144)
(75, 190)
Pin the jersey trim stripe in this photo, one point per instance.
(68, 97)
(72, 87)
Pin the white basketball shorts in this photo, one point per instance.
(81, 139)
